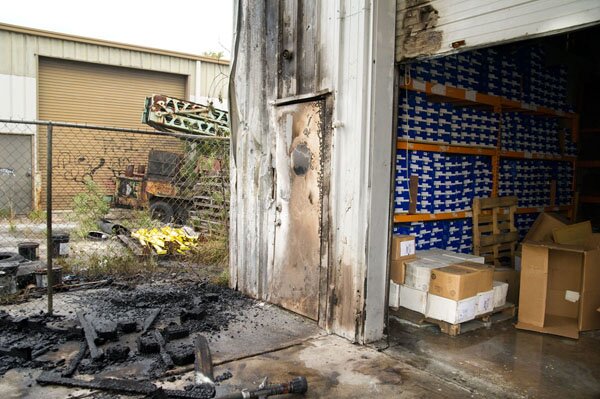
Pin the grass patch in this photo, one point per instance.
(37, 215)
(96, 266)
(211, 252)
(6, 213)
(210, 260)
(222, 279)
(141, 219)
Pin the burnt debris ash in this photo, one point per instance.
(118, 316)
(23, 340)
(198, 307)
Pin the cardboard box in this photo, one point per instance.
(500, 293)
(486, 274)
(455, 282)
(413, 299)
(402, 246)
(398, 268)
(541, 229)
(575, 234)
(418, 273)
(450, 311)
(511, 277)
(394, 295)
(485, 302)
(559, 288)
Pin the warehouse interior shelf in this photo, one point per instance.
(589, 164)
(464, 97)
(590, 130)
(425, 217)
(475, 150)
(590, 199)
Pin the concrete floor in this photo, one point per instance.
(414, 363)
(503, 360)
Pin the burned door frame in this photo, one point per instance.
(352, 57)
(324, 101)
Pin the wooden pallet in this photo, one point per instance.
(501, 313)
(494, 233)
(418, 320)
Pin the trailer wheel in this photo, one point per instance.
(162, 211)
(182, 213)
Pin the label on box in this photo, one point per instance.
(571, 296)
(63, 248)
(407, 248)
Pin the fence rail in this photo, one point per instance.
(65, 186)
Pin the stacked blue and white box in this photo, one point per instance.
(523, 222)
(402, 194)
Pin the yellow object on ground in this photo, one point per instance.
(167, 240)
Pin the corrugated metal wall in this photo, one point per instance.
(432, 27)
(21, 50)
(18, 52)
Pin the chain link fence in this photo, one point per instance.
(117, 196)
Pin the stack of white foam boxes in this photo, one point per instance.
(445, 285)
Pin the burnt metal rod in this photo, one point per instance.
(297, 385)
(49, 246)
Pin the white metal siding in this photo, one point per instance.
(484, 22)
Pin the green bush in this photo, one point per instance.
(89, 206)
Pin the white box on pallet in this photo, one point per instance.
(454, 312)
(454, 257)
(394, 296)
(413, 299)
(485, 302)
(418, 273)
(500, 291)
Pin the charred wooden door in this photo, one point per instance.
(299, 261)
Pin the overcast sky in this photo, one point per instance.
(188, 26)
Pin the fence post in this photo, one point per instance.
(49, 244)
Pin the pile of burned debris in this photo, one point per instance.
(152, 328)
(161, 318)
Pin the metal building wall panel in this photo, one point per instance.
(213, 80)
(431, 27)
(19, 99)
(18, 52)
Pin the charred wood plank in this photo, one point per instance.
(203, 362)
(70, 370)
(116, 385)
(166, 358)
(90, 336)
(150, 320)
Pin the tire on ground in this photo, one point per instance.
(7, 257)
(162, 211)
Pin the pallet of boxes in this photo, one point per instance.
(560, 278)
(458, 292)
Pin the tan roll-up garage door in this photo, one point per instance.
(103, 95)
(73, 91)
